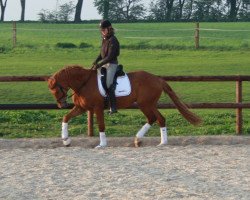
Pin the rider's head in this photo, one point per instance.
(106, 28)
(105, 24)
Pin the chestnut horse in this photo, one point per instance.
(146, 91)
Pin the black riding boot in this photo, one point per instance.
(112, 100)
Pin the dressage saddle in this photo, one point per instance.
(119, 72)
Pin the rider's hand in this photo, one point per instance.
(96, 66)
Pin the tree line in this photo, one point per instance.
(157, 10)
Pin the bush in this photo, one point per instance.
(65, 45)
(84, 45)
(4, 49)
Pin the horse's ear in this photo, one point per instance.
(51, 82)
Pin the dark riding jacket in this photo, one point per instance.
(110, 50)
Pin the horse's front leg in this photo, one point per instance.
(73, 113)
(101, 125)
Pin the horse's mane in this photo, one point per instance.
(69, 68)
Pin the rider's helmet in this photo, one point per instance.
(105, 24)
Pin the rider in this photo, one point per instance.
(107, 58)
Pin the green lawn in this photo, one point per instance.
(159, 48)
(219, 36)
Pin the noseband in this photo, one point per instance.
(64, 94)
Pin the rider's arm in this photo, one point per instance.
(99, 57)
(113, 52)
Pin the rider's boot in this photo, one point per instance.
(112, 100)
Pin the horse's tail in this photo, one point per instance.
(183, 109)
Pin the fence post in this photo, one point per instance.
(90, 123)
(14, 34)
(197, 35)
(239, 118)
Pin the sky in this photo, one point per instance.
(33, 7)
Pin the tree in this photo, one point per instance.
(48, 16)
(106, 9)
(42, 15)
(23, 2)
(234, 7)
(116, 13)
(218, 11)
(161, 10)
(103, 7)
(188, 10)
(120, 10)
(200, 10)
(3, 6)
(78, 11)
(232, 12)
(169, 7)
(208, 10)
(180, 5)
(244, 11)
(132, 9)
(64, 14)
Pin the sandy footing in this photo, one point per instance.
(91, 142)
(187, 171)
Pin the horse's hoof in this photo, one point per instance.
(67, 142)
(162, 145)
(137, 142)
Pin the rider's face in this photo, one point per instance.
(104, 31)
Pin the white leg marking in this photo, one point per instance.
(143, 131)
(65, 134)
(164, 136)
(103, 140)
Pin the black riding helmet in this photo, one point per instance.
(105, 24)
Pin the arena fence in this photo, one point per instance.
(238, 105)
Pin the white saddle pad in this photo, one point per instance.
(123, 87)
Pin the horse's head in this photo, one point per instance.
(59, 92)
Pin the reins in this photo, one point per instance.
(81, 86)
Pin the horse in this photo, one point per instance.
(146, 90)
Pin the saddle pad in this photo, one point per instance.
(123, 87)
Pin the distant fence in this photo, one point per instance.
(238, 104)
(196, 35)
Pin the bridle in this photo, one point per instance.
(64, 94)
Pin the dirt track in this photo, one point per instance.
(181, 170)
(90, 142)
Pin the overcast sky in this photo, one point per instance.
(33, 7)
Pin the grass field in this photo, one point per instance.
(159, 48)
(214, 36)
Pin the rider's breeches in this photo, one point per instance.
(111, 70)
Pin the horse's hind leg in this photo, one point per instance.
(162, 123)
(151, 118)
(75, 111)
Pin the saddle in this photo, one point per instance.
(121, 82)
